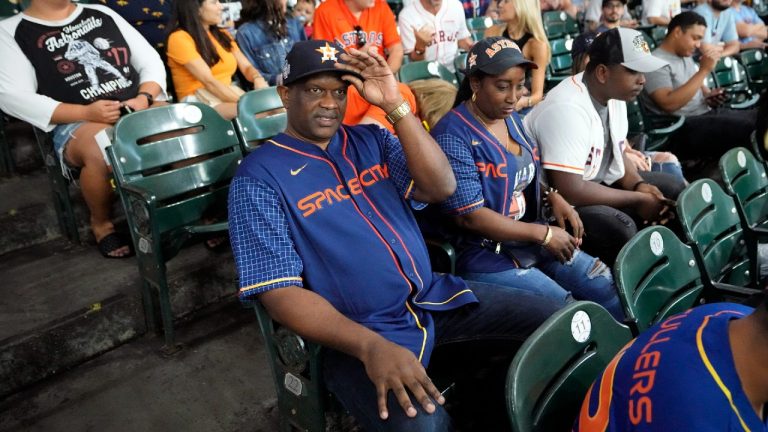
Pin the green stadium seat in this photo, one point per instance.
(65, 212)
(657, 276)
(478, 25)
(460, 63)
(172, 167)
(259, 117)
(713, 227)
(426, 70)
(8, 8)
(731, 75)
(7, 167)
(561, 62)
(657, 127)
(553, 370)
(296, 365)
(755, 62)
(658, 33)
(558, 24)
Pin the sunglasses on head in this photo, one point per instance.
(360, 35)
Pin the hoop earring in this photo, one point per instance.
(474, 97)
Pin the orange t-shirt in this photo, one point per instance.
(357, 107)
(182, 50)
(334, 21)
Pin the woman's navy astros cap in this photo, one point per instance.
(312, 57)
(494, 55)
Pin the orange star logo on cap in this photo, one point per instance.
(328, 52)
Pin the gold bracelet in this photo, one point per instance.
(548, 237)
(398, 113)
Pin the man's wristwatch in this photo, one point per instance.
(150, 98)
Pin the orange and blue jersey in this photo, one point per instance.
(487, 175)
(678, 375)
(337, 221)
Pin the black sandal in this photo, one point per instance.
(112, 242)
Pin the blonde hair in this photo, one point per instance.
(528, 19)
(434, 97)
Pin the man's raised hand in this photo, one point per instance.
(378, 85)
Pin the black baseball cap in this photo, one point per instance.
(624, 2)
(626, 47)
(312, 57)
(494, 55)
(582, 43)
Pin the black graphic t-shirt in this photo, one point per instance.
(80, 62)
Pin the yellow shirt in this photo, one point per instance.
(182, 50)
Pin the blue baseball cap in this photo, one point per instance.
(312, 57)
(494, 55)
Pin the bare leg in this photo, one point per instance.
(228, 110)
(82, 151)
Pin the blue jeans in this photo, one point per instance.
(504, 317)
(584, 277)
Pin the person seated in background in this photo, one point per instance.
(646, 162)
(559, 5)
(475, 8)
(360, 24)
(380, 313)
(521, 23)
(58, 74)
(434, 30)
(434, 98)
(679, 88)
(659, 12)
(497, 214)
(304, 11)
(265, 35)
(202, 58)
(750, 27)
(612, 13)
(581, 128)
(594, 16)
(721, 27)
(700, 370)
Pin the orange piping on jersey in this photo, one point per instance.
(713, 372)
(580, 169)
(408, 191)
(599, 421)
(269, 282)
(386, 222)
(461, 209)
(578, 86)
(383, 241)
(497, 146)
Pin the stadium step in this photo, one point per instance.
(63, 304)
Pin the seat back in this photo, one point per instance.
(656, 276)
(561, 61)
(635, 118)
(425, 70)
(260, 115)
(460, 64)
(711, 222)
(658, 33)
(745, 178)
(731, 75)
(552, 371)
(148, 152)
(8, 8)
(558, 24)
(755, 63)
(477, 27)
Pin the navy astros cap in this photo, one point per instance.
(311, 57)
(494, 55)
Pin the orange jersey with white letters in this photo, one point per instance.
(334, 21)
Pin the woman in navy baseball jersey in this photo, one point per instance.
(502, 236)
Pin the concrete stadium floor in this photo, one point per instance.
(221, 381)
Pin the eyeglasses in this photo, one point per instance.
(360, 35)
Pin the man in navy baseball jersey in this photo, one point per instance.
(702, 370)
(324, 237)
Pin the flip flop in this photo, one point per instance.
(112, 242)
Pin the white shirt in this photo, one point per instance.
(660, 8)
(18, 82)
(570, 134)
(449, 24)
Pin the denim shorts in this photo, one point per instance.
(61, 135)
